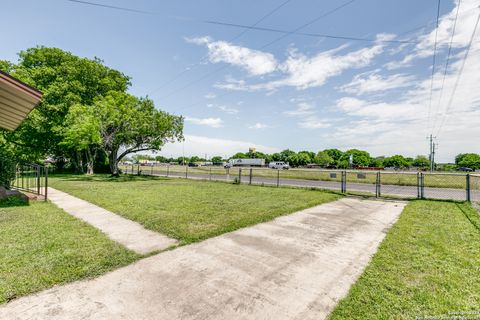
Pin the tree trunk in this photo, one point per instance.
(113, 162)
(78, 163)
(90, 160)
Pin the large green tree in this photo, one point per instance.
(127, 125)
(81, 134)
(360, 158)
(396, 161)
(322, 158)
(421, 162)
(335, 154)
(468, 160)
(65, 80)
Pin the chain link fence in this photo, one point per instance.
(475, 187)
(405, 185)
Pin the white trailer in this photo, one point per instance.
(246, 163)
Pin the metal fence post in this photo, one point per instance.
(422, 185)
(239, 175)
(138, 169)
(344, 182)
(468, 187)
(378, 185)
(278, 177)
(46, 183)
(186, 172)
(210, 174)
(168, 169)
(151, 170)
(250, 178)
(38, 179)
(228, 174)
(418, 185)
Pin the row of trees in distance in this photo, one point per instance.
(328, 158)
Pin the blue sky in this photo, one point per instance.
(239, 89)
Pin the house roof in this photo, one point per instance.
(17, 99)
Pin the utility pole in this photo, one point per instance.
(433, 155)
(432, 152)
(183, 152)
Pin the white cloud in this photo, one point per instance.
(389, 127)
(465, 22)
(313, 122)
(223, 108)
(228, 110)
(373, 82)
(235, 85)
(259, 126)
(307, 115)
(349, 104)
(302, 109)
(400, 126)
(307, 72)
(253, 61)
(199, 145)
(210, 96)
(304, 72)
(210, 122)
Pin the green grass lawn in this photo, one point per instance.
(41, 246)
(189, 210)
(428, 265)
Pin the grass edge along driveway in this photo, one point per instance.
(42, 246)
(189, 210)
(427, 266)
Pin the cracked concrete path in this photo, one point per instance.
(294, 267)
(124, 231)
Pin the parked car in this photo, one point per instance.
(192, 164)
(464, 169)
(279, 165)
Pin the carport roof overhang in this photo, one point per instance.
(17, 99)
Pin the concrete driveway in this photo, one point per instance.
(294, 267)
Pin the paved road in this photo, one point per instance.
(294, 267)
(386, 190)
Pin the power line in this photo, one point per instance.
(112, 7)
(450, 101)
(433, 65)
(446, 64)
(261, 19)
(316, 35)
(264, 46)
(310, 22)
(271, 12)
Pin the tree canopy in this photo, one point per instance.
(124, 124)
(85, 109)
(468, 160)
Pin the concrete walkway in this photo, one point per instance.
(127, 232)
(294, 267)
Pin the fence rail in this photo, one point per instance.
(26, 177)
(446, 186)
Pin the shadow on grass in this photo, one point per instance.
(13, 201)
(471, 214)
